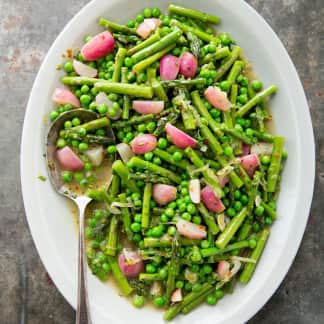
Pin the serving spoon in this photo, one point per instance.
(78, 197)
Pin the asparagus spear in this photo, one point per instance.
(89, 138)
(274, 168)
(146, 206)
(116, 27)
(120, 168)
(78, 81)
(218, 55)
(231, 229)
(209, 219)
(111, 246)
(126, 217)
(119, 60)
(236, 69)
(132, 121)
(125, 89)
(255, 101)
(121, 280)
(215, 251)
(256, 255)
(183, 164)
(126, 101)
(141, 164)
(228, 62)
(152, 39)
(209, 175)
(159, 91)
(148, 177)
(151, 59)
(172, 271)
(161, 44)
(184, 82)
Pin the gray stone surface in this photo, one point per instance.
(27, 29)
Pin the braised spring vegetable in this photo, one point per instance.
(196, 173)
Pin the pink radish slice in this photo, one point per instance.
(68, 160)
(188, 65)
(169, 67)
(130, 263)
(84, 70)
(145, 107)
(217, 98)
(148, 26)
(176, 295)
(98, 47)
(210, 200)
(163, 194)
(194, 190)
(64, 96)
(191, 230)
(262, 148)
(245, 149)
(179, 138)
(250, 163)
(124, 151)
(143, 143)
(223, 269)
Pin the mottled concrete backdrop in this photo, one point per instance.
(27, 29)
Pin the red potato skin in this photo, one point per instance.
(163, 194)
(145, 107)
(250, 163)
(65, 96)
(188, 65)
(217, 98)
(223, 268)
(191, 230)
(143, 143)
(179, 138)
(98, 47)
(169, 67)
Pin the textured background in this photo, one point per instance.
(27, 29)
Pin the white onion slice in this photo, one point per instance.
(194, 190)
(124, 151)
(84, 69)
(262, 148)
(95, 154)
(221, 221)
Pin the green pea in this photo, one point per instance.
(67, 176)
(76, 121)
(147, 12)
(151, 126)
(157, 231)
(177, 156)
(187, 199)
(268, 220)
(259, 211)
(187, 286)
(128, 62)
(141, 128)
(256, 85)
(83, 146)
(164, 218)
(87, 166)
(179, 284)
(136, 196)
(137, 237)
(225, 86)
(228, 151)
(68, 67)
(211, 48)
(85, 99)
(186, 216)
(166, 21)
(184, 191)
(84, 183)
(195, 256)
(256, 227)
(138, 218)
(243, 99)
(249, 132)
(139, 18)
(85, 88)
(159, 301)
(102, 108)
(157, 160)
(252, 243)
(237, 194)
(163, 273)
(156, 12)
(150, 268)
(61, 143)
(136, 227)
(265, 159)
(172, 230)
(75, 143)
(176, 51)
(138, 301)
(207, 269)
(231, 212)
(225, 39)
(162, 143)
(196, 220)
(204, 244)
(243, 90)
(215, 113)
(89, 233)
(111, 149)
(237, 205)
(169, 212)
(54, 114)
(284, 154)
(148, 156)
(244, 200)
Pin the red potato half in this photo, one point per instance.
(64, 96)
(188, 65)
(179, 138)
(217, 98)
(191, 230)
(130, 263)
(163, 194)
(145, 107)
(211, 201)
(250, 163)
(98, 47)
(68, 160)
(169, 67)
(143, 143)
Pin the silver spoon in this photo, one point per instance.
(79, 198)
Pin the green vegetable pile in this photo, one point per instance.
(179, 272)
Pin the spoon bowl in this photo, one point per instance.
(78, 196)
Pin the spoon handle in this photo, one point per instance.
(83, 309)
